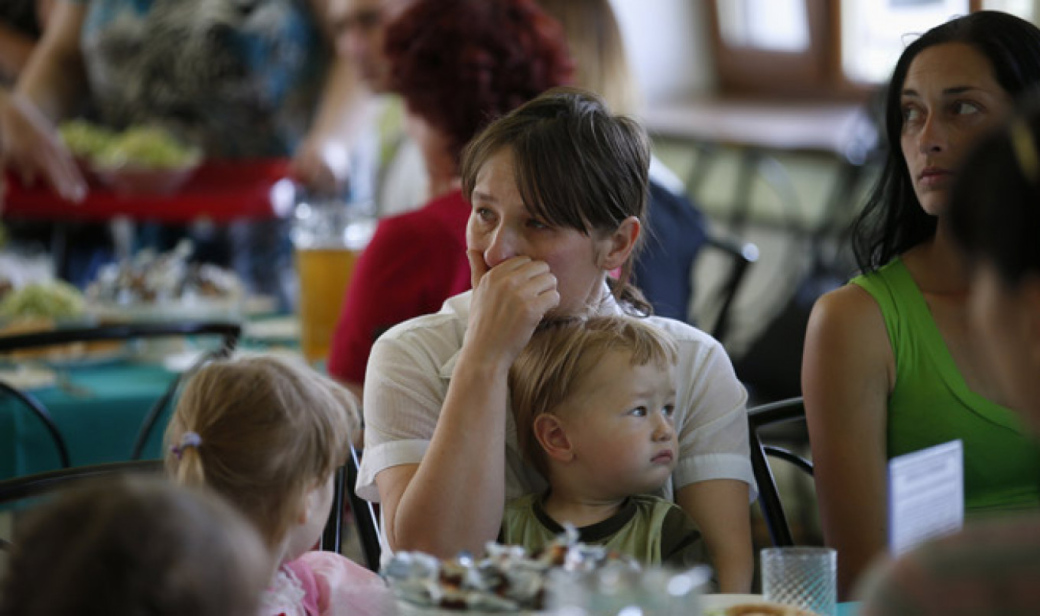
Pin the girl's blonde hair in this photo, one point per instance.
(269, 430)
(558, 357)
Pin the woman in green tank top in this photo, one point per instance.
(891, 364)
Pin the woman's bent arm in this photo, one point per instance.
(720, 509)
(848, 370)
(453, 499)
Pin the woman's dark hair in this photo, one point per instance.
(577, 166)
(461, 63)
(994, 212)
(893, 221)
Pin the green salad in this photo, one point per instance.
(138, 146)
(54, 299)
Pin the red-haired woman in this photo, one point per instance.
(458, 64)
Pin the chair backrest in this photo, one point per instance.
(742, 256)
(366, 518)
(25, 487)
(228, 332)
(782, 411)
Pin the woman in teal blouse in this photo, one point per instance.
(890, 364)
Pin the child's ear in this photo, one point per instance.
(310, 505)
(553, 438)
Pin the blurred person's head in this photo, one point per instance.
(994, 215)
(593, 399)
(562, 180)
(598, 48)
(360, 36)
(266, 433)
(460, 64)
(135, 546)
(950, 86)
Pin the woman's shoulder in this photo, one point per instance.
(442, 330)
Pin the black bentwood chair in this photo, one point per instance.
(773, 413)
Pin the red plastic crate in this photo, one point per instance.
(220, 191)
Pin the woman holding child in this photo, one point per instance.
(558, 193)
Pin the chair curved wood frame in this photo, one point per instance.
(228, 331)
(781, 411)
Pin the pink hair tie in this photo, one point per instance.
(188, 439)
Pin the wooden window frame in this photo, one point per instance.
(815, 73)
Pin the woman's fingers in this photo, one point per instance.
(477, 266)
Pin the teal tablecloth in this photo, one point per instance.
(99, 418)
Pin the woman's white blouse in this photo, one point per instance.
(411, 365)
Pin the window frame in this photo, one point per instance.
(815, 73)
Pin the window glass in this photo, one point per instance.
(772, 25)
(874, 32)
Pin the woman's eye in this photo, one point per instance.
(484, 213)
(965, 108)
(534, 223)
(911, 114)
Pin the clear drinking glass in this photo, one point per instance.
(805, 577)
(328, 236)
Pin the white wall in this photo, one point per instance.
(669, 47)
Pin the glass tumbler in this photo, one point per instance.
(805, 577)
(328, 236)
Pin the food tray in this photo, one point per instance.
(220, 191)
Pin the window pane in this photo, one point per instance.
(1026, 9)
(874, 32)
(773, 25)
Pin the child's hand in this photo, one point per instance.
(509, 301)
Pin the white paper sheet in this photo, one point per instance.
(925, 495)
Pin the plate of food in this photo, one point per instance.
(746, 605)
(510, 579)
(162, 286)
(141, 160)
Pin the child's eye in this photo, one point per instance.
(484, 214)
(668, 410)
(534, 223)
(639, 411)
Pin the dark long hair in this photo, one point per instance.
(892, 221)
(994, 212)
(577, 166)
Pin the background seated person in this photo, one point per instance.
(135, 546)
(457, 64)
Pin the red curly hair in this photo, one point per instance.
(459, 64)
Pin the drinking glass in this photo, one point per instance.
(328, 236)
(805, 577)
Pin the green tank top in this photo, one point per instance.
(932, 404)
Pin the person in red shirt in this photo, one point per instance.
(458, 64)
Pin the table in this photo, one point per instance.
(98, 410)
(840, 131)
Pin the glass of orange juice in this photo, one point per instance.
(328, 236)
